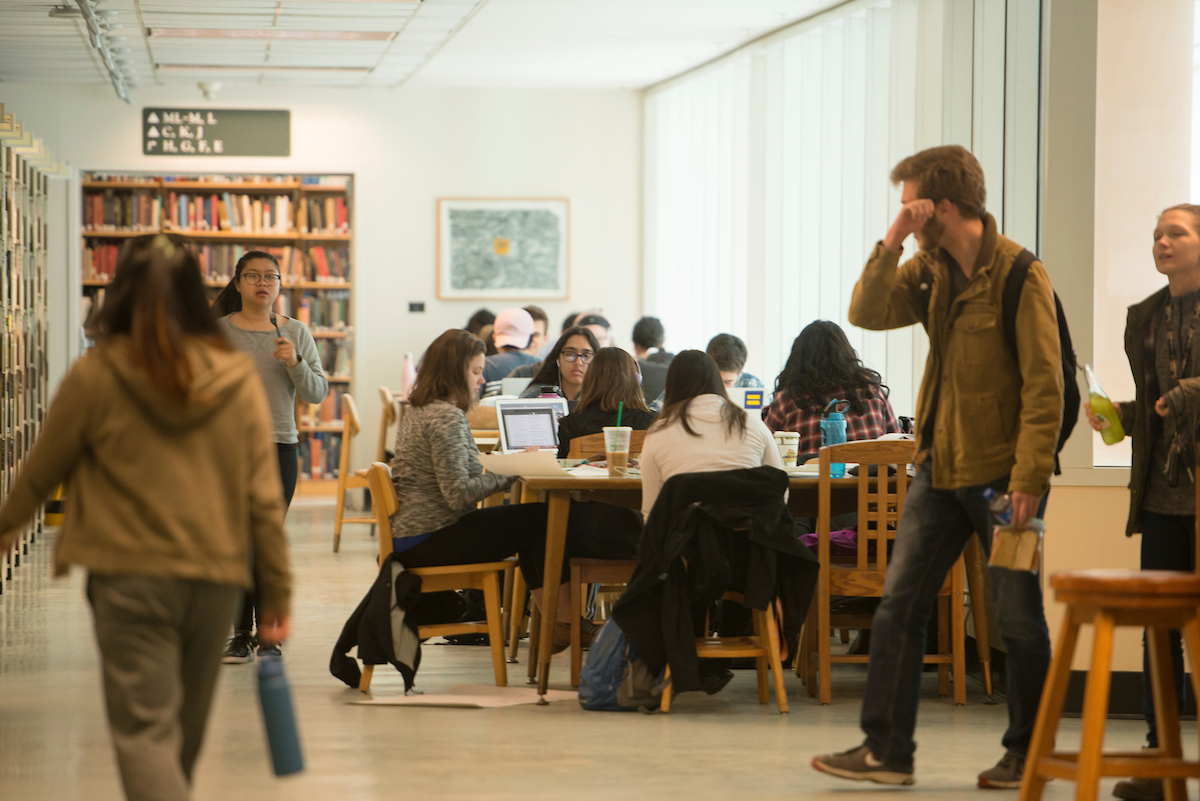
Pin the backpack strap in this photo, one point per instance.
(1011, 298)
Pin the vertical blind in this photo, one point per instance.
(767, 187)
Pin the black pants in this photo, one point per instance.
(594, 530)
(289, 470)
(1167, 544)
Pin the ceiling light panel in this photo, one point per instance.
(269, 33)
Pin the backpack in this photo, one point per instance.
(1011, 298)
(614, 677)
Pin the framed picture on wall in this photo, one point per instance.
(492, 249)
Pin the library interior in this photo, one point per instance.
(862, 333)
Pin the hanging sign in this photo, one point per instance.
(216, 132)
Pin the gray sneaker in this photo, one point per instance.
(1007, 773)
(1139, 790)
(859, 765)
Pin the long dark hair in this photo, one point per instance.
(823, 365)
(443, 373)
(230, 300)
(693, 373)
(548, 374)
(612, 378)
(157, 299)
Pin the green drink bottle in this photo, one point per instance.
(1102, 407)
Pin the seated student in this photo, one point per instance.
(513, 334)
(439, 481)
(566, 364)
(700, 429)
(478, 320)
(611, 380)
(599, 325)
(823, 366)
(729, 352)
(541, 326)
(648, 338)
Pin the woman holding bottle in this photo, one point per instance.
(1163, 348)
(288, 363)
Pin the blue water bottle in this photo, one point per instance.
(833, 432)
(279, 717)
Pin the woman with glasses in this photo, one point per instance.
(612, 382)
(566, 364)
(288, 363)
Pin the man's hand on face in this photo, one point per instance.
(913, 215)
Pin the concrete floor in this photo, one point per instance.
(54, 742)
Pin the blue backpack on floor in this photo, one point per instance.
(615, 678)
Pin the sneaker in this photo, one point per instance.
(1007, 773)
(269, 650)
(1139, 790)
(239, 649)
(858, 764)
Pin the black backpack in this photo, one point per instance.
(1011, 298)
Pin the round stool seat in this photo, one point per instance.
(1128, 582)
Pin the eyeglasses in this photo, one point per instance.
(270, 279)
(585, 357)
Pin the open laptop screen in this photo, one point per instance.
(531, 423)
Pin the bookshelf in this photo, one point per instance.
(23, 317)
(305, 221)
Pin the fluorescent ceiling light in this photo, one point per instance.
(270, 33)
(253, 68)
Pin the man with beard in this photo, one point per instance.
(987, 417)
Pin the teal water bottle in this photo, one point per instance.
(833, 432)
(279, 717)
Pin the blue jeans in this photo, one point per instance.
(933, 531)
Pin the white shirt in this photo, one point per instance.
(672, 450)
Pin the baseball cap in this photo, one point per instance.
(514, 327)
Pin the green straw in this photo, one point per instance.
(620, 407)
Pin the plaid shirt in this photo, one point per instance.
(877, 420)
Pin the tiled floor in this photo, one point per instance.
(54, 743)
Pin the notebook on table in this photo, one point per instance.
(529, 423)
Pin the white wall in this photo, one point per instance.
(406, 148)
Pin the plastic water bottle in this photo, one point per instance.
(1103, 408)
(999, 505)
(279, 717)
(833, 432)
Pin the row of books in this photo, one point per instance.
(133, 211)
(230, 212)
(329, 310)
(100, 261)
(210, 178)
(335, 356)
(328, 215)
(319, 455)
(327, 412)
(320, 264)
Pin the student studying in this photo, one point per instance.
(611, 384)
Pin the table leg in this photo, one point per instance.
(977, 586)
(556, 541)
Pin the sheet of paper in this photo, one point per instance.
(535, 464)
(587, 471)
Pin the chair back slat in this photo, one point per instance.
(384, 503)
(588, 444)
(350, 419)
(387, 418)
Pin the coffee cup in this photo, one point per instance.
(788, 443)
(616, 449)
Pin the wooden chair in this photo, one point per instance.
(389, 416)
(478, 576)
(880, 504)
(589, 444)
(348, 480)
(763, 645)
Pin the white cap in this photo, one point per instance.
(514, 328)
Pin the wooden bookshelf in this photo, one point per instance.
(146, 200)
(24, 232)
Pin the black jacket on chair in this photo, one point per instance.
(383, 627)
(733, 530)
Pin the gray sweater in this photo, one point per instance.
(281, 382)
(436, 471)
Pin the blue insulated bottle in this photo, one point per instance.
(833, 432)
(279, 717)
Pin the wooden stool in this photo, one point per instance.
(1158, 600)
(583, 573)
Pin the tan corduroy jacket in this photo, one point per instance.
(159, 488)
(980, 414)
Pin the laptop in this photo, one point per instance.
(529, 423)
(750, 399)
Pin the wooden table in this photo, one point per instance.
(628, 492)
